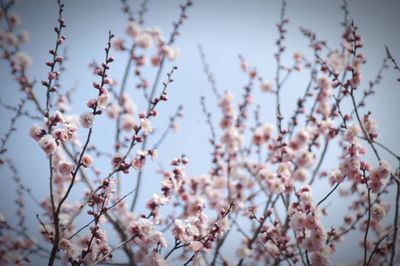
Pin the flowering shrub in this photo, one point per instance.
(257, 197)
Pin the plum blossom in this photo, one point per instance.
(86, 119)
(36, 132)
(144, 40)
(378, 212)
(133, 29)
(103, 99)
(64, 168)
(155, 259)
(146, 125)
(48, 144)
(196, 246)
(170, 52)
(23, 60)
(266, 86)
(87, 160)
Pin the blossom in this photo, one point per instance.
(198, 260)
(153, 154)
(243, 252)
(146, 125)
(297, 56)
(142, 226)
(266, 86)
(118, 44)
(60, 134)
(336, 61)
(113, 110)
(128, 122)
(306, 159)
(378, 212)
(223, 224)
(320, 259)
(10, 39)
(87, 160)
(196, 245)
(155, 259)
(14, 20)
(22, 60)
(159, 238)
(86, 119)
(311, 222)
(64, 244)
(64, 168)
(103, 99)
(48, 144)
(36, 132)
(384, 168)
(24, 36)
(297, 221)
(352, 132)
(300, 175)
(144, 40)
(160, 200)
(324, 83)
(170, 52)
(133, 29)
(336, 177)
(140, 159)
(305, 194)
(300, 139)
(73, 252)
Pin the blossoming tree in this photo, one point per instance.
(258, 190)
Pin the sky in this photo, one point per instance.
(225, 29)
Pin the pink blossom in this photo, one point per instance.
(170, 52)
(113, 110)
(86, 119)
(196, 246)
(159, 238)
(298, 57)
(14, 19)
(336, 61)
(384, 168)
(266, 86)
(118, 44)
(377, 212)
(144, 40)
(23, 60)
(24, 36)
(155, 259)
(10, 39)
(48, 144)
(64, 168)
(103, 99)
(311, 222)
(297, 221)
(146, 125)
(36, 132)
(133, 29)
(223, 224)
(306, 159)
(64, 244)
(320, 259)
(300, 175)
(87, 161)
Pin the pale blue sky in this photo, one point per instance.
(225, 29)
